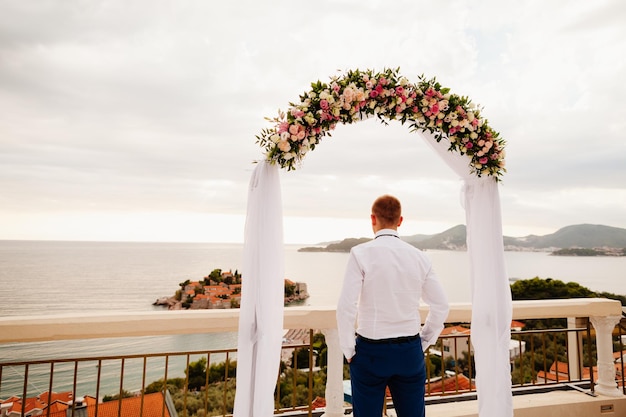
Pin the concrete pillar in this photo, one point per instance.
(334, 376)
(605, 384)
(575, 343)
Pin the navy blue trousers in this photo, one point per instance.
(400, 366)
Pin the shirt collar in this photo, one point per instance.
(387, 232)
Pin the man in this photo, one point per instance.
(384, 281)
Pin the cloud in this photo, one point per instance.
(154, 106)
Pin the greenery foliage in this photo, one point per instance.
(193, 397)
(539, 289)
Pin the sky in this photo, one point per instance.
(137, 120)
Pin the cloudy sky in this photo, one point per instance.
(136, 120)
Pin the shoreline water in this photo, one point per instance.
(47, 278)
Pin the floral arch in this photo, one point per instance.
(456, 130)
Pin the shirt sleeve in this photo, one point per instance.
(347, 306)
(437, 300)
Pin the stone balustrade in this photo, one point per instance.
(603, 314)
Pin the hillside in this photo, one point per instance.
(587, 236)
(577, 236)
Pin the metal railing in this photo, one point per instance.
(450, 366)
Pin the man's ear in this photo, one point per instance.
(373, 217)
(400, 221)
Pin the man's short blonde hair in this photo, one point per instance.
(387, 210)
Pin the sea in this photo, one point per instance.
(52, 277)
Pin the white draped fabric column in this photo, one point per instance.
(491, 293)
(262, 296)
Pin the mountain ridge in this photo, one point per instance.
(584, 236)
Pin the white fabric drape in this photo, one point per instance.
(261, 315)
(491, 293)
(262, 296)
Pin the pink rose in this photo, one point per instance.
(297, 113)
(400, 89)
(483, 160)
(293, 129)
(282, 127)
(469, 145)
(373, 94)
(324, 104)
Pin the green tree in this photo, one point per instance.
(196, 374)
(290, 289)
(124, 394)
(216, 275)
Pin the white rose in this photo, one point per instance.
(275, 138)
(473, 135)
(455, 123)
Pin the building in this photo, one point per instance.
(61, 404)
(456, 340)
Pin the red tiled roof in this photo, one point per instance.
(47, 397)
(455, 330)
(318, 402)
(452, 384)
(153, 405)
(515, 323)
(464, 330)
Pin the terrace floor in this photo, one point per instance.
(546, 404)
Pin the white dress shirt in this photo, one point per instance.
(385, 280)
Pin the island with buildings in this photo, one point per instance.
(221, 289)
